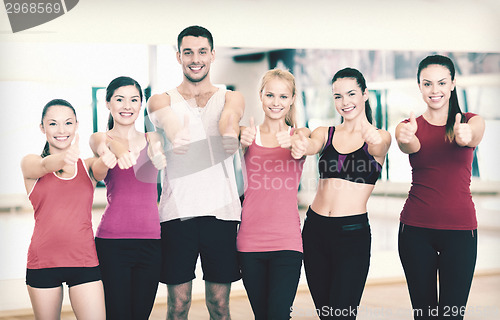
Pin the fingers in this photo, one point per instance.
(413, 120)
(248, 134)
(109, 159)
(252, 123)
(157, 156)
(458, 119)
(73, 152)
(408, 130)
(371, 135)
(127, 160)
(299, 146)
(283, 137)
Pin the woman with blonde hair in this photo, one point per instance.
(269, 240)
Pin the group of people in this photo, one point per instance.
(140, 243)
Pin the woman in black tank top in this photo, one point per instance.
(336, 234)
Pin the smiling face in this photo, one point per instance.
(59, 126)
(276, 97)
(195, 57)
(349, 98)
(124, 105)
(436, 86)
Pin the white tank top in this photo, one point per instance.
(202, 181)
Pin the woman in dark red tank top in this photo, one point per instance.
(437, 233)
(61, 191)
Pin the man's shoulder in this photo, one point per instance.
(158, 101)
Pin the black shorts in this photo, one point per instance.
(54, 277)
(212, 239)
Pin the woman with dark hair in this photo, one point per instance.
(437, 231)
(336, 234)
(62, 248)
(128, 237)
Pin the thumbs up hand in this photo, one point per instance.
(108, 158)
(230, 137)
(73, 152)
(284, 138)
(299, 146)
(182, 138)
(408, 130)
(248, 134)
(462, 131)
(128, 159)
(370, 134)
(157, 156)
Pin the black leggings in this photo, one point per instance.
(271, 279)
(424, 254)
(130, 270)
(336, 261)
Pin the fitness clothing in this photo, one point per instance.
(270, 217)
(202, 181)
(423, 252)
(130, 271)
(128, 240)
(54, 277)
(132, 211)
(214, 240)
(271, 280)
(336, 262)
(63, 235)
(358, 166)
(440, 196)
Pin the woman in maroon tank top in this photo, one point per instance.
(55, 254)
(438, 227)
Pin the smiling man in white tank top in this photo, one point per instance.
(199, 206)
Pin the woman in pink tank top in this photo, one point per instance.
(62, 247)
(128, 237)
(269, 241)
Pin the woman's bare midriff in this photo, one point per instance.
(339, 198)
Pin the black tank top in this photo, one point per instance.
(358, 166)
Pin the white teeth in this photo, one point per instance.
(195, 68)
(348, 109)
(125, 114)
(435, 98)
(276, 109)
(61, 138)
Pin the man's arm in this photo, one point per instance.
(232, 113)
(162, 115)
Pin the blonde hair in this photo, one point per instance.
(287, 77)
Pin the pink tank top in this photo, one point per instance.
(132, 210)
(63, 235)
(270, 218)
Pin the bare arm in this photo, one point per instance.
(232, 113)
(317, 140)
(162, 115)
(34, 166)
(471, 133)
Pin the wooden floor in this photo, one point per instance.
(384, 301)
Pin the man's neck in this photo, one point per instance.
(194, 89)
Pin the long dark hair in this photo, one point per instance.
(54, 102)
(118, 83)
(358, 76)
(453, 107)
